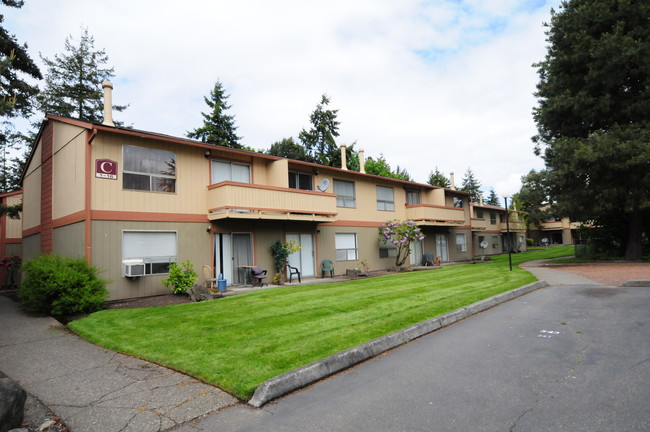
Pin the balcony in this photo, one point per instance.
(479, 224)
(428, 214)
(514, 226)
(231, 200)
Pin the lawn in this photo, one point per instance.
(238, 342)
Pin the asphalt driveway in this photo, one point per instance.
(563, 358)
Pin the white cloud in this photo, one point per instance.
(444, 83)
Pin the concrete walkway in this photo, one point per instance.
(554, 275)
(93, 389)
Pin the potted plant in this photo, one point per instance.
(280, 252)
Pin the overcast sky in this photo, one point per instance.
(428, 84)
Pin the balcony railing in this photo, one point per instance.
(231, 200)
(514, 226)
(428, 214)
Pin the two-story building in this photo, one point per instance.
(493, 232)
(130, 202)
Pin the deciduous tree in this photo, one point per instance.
(593, 115)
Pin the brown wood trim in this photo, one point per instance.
(434, 206)
(8, 194)
(18, 240)
(31, 231)
(353, 224)
(87, 215)
(272, 210)
(265, 187)
(148, 217)
(47, 173)
(69, 219)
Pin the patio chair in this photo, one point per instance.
(327, 266)
(293, 271)
(210, 280)
(258, 275)
(427, 259)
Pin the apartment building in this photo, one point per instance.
(131, 202)
(493, 232)
(10, 234)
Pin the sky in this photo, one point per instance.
(446, 84)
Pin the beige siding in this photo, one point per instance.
(68, 185)
(192, 179)
(193, 245)
(69, 240)
(32, 198)
(14, 226)
(367, 245)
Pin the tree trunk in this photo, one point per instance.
(633, 248)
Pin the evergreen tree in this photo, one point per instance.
(287, 148)
(73, 82)
(593, 116)
(492, 199)
(535, 197)
(438, 179)
(472, 186)
(319, 141)
(218, 127)
(16, 100)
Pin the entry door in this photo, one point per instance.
(231, 252)
(416, 252)
(441, 247)
(304, 258)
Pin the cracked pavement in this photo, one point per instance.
(94, 389)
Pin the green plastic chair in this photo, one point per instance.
(327, 266)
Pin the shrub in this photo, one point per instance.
(181, 277)
(58, 285)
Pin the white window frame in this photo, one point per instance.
(385, 198)
(461, 246)
(344, 199)
(347, 248)
(156, 253)
(159, 181)
(229, 176)
(299, 178)
(493, 218)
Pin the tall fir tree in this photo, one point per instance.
(492, 198)
(16, 100)
(218, 127)
(472, 186)
(73, 82)
(436, 178)
(320, 140)
(593, 117)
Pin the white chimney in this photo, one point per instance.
(108, 103)
(362, 161)
(452, 181)
(480, 199)
(344, 157)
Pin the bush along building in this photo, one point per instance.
(131, 202)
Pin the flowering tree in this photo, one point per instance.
(401, 234)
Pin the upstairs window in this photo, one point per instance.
(412, 197)
(458, 202)
(479, 214)
(148, 170)
(345, 194)
(230, 171)
(493, 218)
(300, 181)
(385, 199)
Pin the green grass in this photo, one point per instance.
(238, 342)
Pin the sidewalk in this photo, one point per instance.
(93, 389)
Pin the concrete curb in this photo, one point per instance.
(637, 283)
(308, 374)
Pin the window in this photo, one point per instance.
(230, 171)
(156, 248)
(387, 250)
(412, 197)
(346, 246)
(479, 214)
(495, 242)
(493, 218)
(300, 181)
(385, 200)
(502, 217)
(458, 202)
(345, 194)
(461, 243)
(148, 170)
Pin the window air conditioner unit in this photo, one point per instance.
(133, 267)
